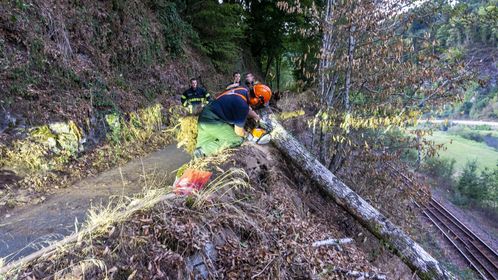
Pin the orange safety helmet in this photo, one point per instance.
(260, 96)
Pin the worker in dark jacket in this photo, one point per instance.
(249, 81)
(195, 97)
(221, 123)
(235, 81)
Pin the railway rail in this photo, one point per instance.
(480, 256)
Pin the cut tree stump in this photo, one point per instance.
(410, 252)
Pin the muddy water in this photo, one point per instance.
(27, 229)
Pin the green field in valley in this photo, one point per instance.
(464, 150)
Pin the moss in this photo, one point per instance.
(43, 135)
(46, 147)
(114, 124)
(49, 148)
(69, 138)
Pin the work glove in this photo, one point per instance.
(251, 138)
(265, 125)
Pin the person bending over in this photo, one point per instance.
(221, 122)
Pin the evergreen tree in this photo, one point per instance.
(470, 184)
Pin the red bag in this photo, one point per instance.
(191, 180)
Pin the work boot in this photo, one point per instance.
(198, 153)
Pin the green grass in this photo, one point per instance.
(493, 133)
(463, 150)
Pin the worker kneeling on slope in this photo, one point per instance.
(221, 122)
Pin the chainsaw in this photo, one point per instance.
(261, 134)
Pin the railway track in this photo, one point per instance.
(482, 258)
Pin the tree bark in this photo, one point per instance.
(277, 70)
(395, 239)
(347, 87)
(268, 65)
(325, 51)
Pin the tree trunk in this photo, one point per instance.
(277, 71)
(347, 87)
(325, 51)
(321, 153)
(401, 244)
(268, 65)
(419, 152)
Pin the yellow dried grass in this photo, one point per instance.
(187, 133)
(291, 114)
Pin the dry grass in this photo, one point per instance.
(290, 114)
(102, 218)
(186, 133)
(233, 179)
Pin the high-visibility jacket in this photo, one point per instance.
(195, 96)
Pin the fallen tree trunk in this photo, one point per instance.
(399, 242)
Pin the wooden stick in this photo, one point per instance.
(359, 274)
(335, 242)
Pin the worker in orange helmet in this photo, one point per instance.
(221, 122)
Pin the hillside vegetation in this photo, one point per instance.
(78, 61)
(86, 86)
(468, 32)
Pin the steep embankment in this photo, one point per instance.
(255, 222)
(75, 61)
(85, 86)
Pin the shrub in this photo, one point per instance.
(485, 127)
(467, 133)
(410, 156)
(455, 54)
(466, 107)
(441, 168)
(470, 184)
(489, 180)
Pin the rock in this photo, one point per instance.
(196, 264)
(60, 128)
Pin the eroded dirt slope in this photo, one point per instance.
(264, 231)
